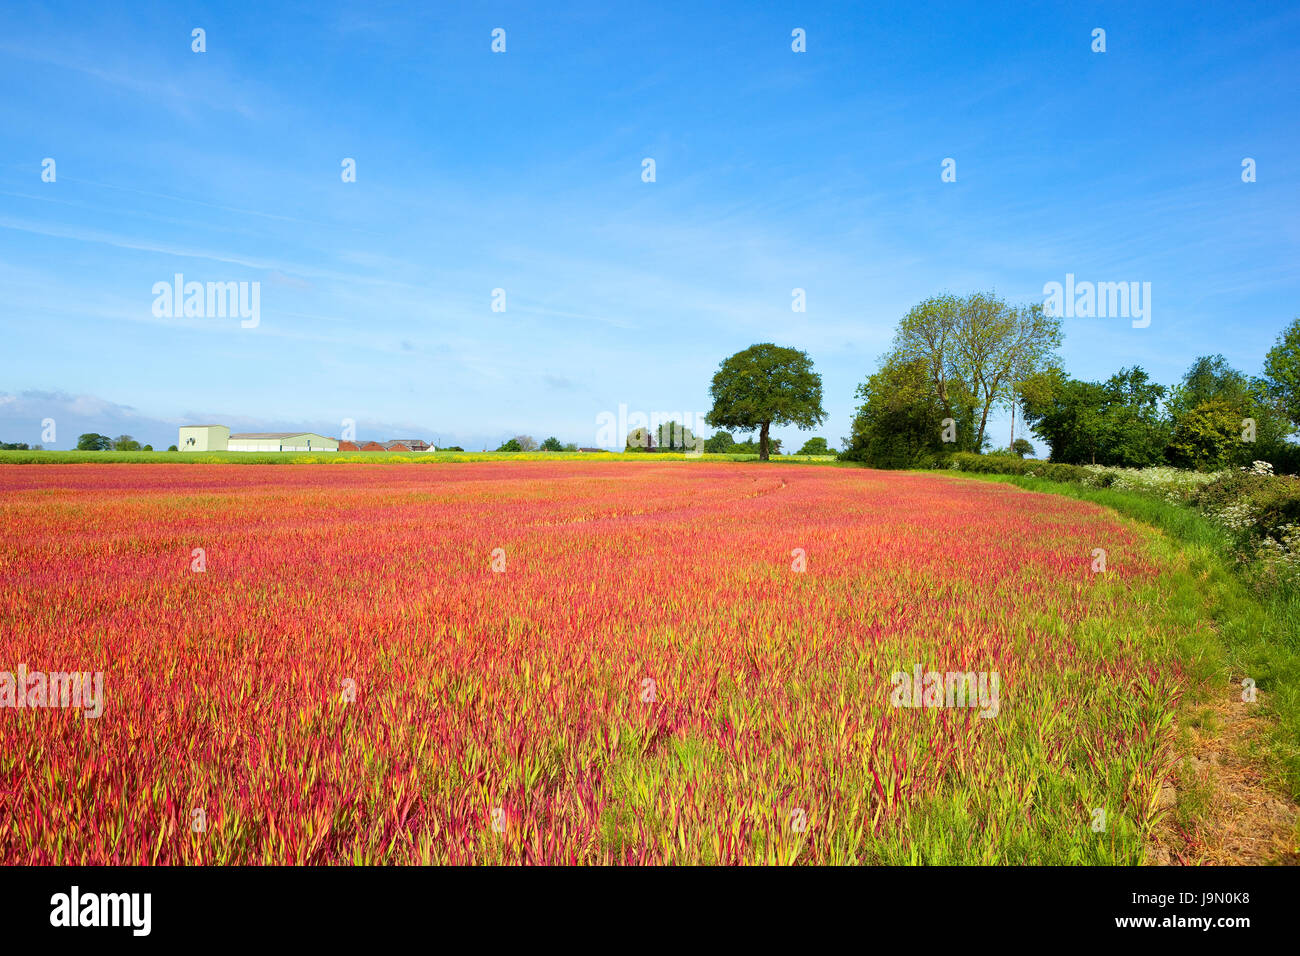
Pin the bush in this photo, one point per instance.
(1263, 512)
(816, 446)
(1284, 456)
(1256, 503)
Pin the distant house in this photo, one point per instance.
(373, 446)
(593, 449)
(349, 446)
(407, 444)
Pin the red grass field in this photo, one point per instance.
(506, 716)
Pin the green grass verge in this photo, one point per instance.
(1256, 635)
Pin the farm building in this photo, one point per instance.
(203, 438)
(219, 438)
(281, 441)
(404, 444)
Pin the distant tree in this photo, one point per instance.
(511, 445)
(751, 447)
(453, 448)
(639, 439)
(816, 446)
(764, 385)
(720, 443)
(1208, 437)
(925, 343)
(1210, 377)
(570, 447)
(125, 443)
(552, 444)
(1022, 448)
(1067, 414)
(1116, 422)
(93, 441)
(13, 446)
(1282, 372)
(172, 448)
(901, 418)
(999, 345)
(674, 436)
(147, 448)
(526, 442)
(1230, 394)
(975, 349)
(1135, 429)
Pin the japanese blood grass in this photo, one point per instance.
(504, 717)
(1233, 630)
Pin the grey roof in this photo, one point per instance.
(271, 434)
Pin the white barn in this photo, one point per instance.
(219, 438)
(281, 441)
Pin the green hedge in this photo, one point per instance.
(1029, 468)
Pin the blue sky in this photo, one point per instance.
(775, 170)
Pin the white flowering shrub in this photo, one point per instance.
(1237, 516)
(1172, 484)
(1279, 557)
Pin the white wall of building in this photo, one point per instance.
(203, 438)
(304, 442)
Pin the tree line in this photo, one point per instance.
(93, 441)
(956, 359)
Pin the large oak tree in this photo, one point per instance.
(766, 385)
